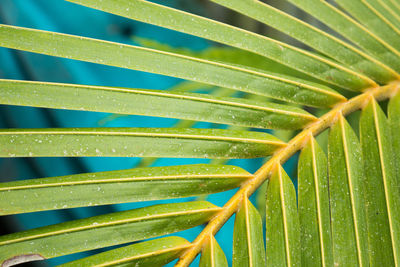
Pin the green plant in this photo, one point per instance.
(354, 223)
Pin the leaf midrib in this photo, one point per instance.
(170, 54)
(349, 180)
(143, 134)
(145, 255)
(284, 215)
(331, 37)
(248, 230)
(129, 179)
(104, 224)
(384, 178)
(193, 97)
(317, 197)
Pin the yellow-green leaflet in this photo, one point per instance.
(382, 187)
(161, 103)
(363, 12)
(105, 230)
(314, 37)
(352, 30)
(212, 255)
(156, 252)
(346, 188)
(300, 60)
(392, 7)
(248, 244)
(232, 76)
(282, 221)
(314, 215)
(394, 120)
(136, 142)
(381, 9)
(102, 188)
(227, 54)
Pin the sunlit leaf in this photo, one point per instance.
(314, 37)
(376, 24)
(156, 252)
(212, 255)
(189, 106)
(282, 221)
(149, 60)
(382, 187)
(300, 60)
(104, 230)
(383, 10)
(394, 120)
(352, 30)
(346, 188)
(248, 244)
(139, 184)
(314, 215)
(136, 142)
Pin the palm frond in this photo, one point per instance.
(346, 208)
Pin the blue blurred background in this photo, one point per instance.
(61, 16)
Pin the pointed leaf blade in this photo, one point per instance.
(105, 230)
(352, 30)
(102, 188)
(282, 221)
(155, 61)
(136, 142)
(188, 106)
(382, 10)
(376, 24)
(346, 187)
(313, 37)
(191, 24)
(314, 215)
(212, 255)
(382, 194)
(394, 121)
(248, 244)
(156, 252)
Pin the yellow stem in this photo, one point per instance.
(282, 155)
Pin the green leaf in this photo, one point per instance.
(394, 120)
(393, 4)
(300, 60)
(227, 54)
(101, 188)
(105, 230)
(282, 221)
(314, 215)
(346, 188)
(189, 106)
(383, 188)
(382, 10)
(236, 77)
(392, 7)
(136, 142)
(156, 252)
(212, 255)
(352, 30)
(376, 24)
(314, 37)
(261, 198)
(248, 243)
